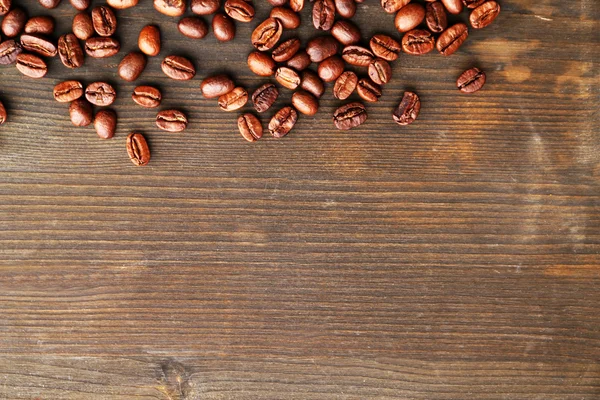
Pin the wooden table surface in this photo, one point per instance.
(456, 258)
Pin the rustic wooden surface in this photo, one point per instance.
(457, 258)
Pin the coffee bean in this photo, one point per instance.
(287, 77)
(435, 17)
(192, 27)
(380, 71)
(418, 42)
(3, 114)
(178, 68)
(345, 85)
(67, 91)
(368, 90)
(171, 8)
(171, 120)
(9, 50)
(38, 44)
(357, 55)
(453, 6)
(223, 27)
(312, 83)
(250, 127)
(408, 109)
(205, 7)
(105, 123)
(385, 47)
(471, 80)
(286, 50)
(216, 85)
(100, 94)
(297, 5)
(473, 3)
(484, 15)
(277, 3)
(83, 27)
(102, 47)
(43, 25)
(80, 5)
(288, 18)
(305, 102)
(300, 61)
(323, 14)
(5, 6)
(31, 66)
(104, 21)
(409, 17)
(392, 6)
(261, 64)
(80, 112)
(345, 8)
(122, 4)
(49, 3)
(147, 96)
(137, 149)
(132, 66)
(264, 97)
(266, 35)
(345, 32)
(14, 22)
(349, 116)
(452, 38)
(330, 69)
(149, 40)
(240, 10)
(69, 51)
(321, 47)
(283, 122)
(233, 100)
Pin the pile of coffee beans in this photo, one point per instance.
(342, 56)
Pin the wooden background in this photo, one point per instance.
(457, 258)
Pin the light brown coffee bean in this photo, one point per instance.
(216, 85)
(385, 47)
(14, 22)
(233, 100)
(31, 66)
(240, 10)
(380, 71)
(192, 27)
(43, 25)
(368, 90)
(69, 51)
(282, 122)
(330, 69)
(288, 18)
(122, 4)
(171, 120)
(266, 35)
(38, 44)
(312, 83)
(250, 127)
(305, 102)
(264, 97)
(223, 27)
(452, 38)
(261, 64)
(300, 61)
(132, 66)
(178, 68)
(137, 149)
(287, 77)
(104, 21)
(345, 85)
(67, 91)
(105, 123)
(100, 94)
(286, 50)
(149, 40)
(408, 109)
(171, 8)
(147, 96)
(102, 47)
(80, 112)
(83, 27)
(205, 7)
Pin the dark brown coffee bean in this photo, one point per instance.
(250, 127)
(297, 5)
(105, 123)
(380, 71)
(267, 34)
(321, 47)
(171, 8)
(288, 18)
(38, 44)
(417, 42)
(42, 25)
(178, 68)
(385, 47)
(484, 15)
(80, 5)
(70, 51)
(283, 122)
(452, 38)
(193, 27)
(132, 66)
(300, 61)
(5, 6)
(122, 4)
(149, 40)
(261, 64)
(147, 96)
(137, 149)
(330, 69)
(14, 22)
(83, 27)
(9, 50)
(31, 66)
(357, 55)
(408, 109)
(240, 10)
(104, 21)
(473, 3)
(305, 102)
(312, 83)
(102, 47)
(205, 7)
(435, 17)
(100, 94)
(223, 27)
(80, 112)
(233, 100)
(345, 32)
(287, 77)
(409, 17)
(216, 85)
(3, 114)
(171, 120)
(471, 80)
(345, 8)
(286, 50)
(345, 85)
(453, 6)
(323, 14)
(67, 91)
(368, 90)
(49, 3)
(264, 97)
(392, 6)
(349, 116)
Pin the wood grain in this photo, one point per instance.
(456, 258)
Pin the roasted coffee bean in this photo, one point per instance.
(172, 8)
(104, 21)
(330, 69)
(267, 34)
(392, 6)
(385, 47)
(42, 25)
(147, 96)
(80, 112)
(193, 27)
(471, 80)
(435, 17)
(321, 47)
(205, 7)
(305, 102)
(31, 66)
(9, 50)
(277, 3)
(418, 41)
(105, 123)
(178, 68)
(264, 97)
(312, 83)
(288, 18)
(14, 22)
(286, 50)
(283, 122)
(83, 27)
(100, 94)
(349, 116)
(3, 114)
(484, 15)
(452, 38)
(216, 85)
(323, 14)
(300, 61)
(345, 8)
(5, 6)
(80, 5)
(357, 55)
(171, 120)
(261, 64)
(453, 6)
(240, 10)
(102, 47)
(132, 66)
(345, 85)
(137, 149)
(223, 27)
(233, 100)
(122, 4)
(368, 90)
(287, 77)
(409, 17)
(408, 109)
(250, 127)
(38, 44)
(297, 5)
(70, 51)
(380, 71)
(149, 40)
(49, 3)
(473, 3)
(67, 91)
(345, 32)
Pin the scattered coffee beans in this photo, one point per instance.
(83, 27)
(14, 22)
(101, 47)
(3, 114)
(216, 85)
(147, 96)
(452, 38)
(80, 112)
(192, 27)
(261, 64)
(137, 149)
(171, 8)
(223, 27)
(105, 123)
(264, 97)
(132, 66)
(178, 68)
(266, 35)
(471, 80)
(9, 50)
(31, 65)
(100, 94)
(385, 47)
(171, 120)
(69, 51)
(287, 77)
(104, 21)
(67, 91)
(484, 15)
(305, 102)
(408, 109)
(283, 121)
(233, 100)
(250, 127)
(42, 25)
(349, 116)
(149, 40)
(345, 85)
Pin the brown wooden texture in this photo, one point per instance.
(456, 258)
